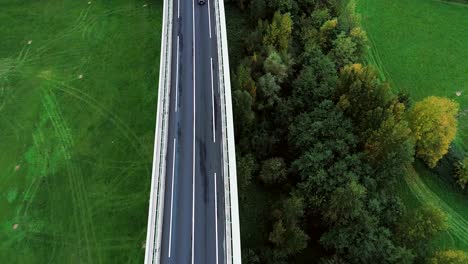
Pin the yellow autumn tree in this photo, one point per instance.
(326, 31)
(434, 124)
(278, 33)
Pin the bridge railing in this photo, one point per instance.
(156, 203)
(233, 249)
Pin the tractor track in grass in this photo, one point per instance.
(458, 225)
(381, 58)
(69, 194)
(75, 177)
(90, 101)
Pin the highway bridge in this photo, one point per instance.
(193, 210)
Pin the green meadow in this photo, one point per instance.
(78, 91)
(425, 188)
(420, 47)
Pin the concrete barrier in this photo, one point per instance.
(232, 244)
(156, 203)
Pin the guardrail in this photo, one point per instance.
(233, 248)
(156, 203)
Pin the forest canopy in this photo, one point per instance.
(325, 141)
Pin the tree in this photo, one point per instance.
(257, 9)
(245, 170)
(364, 98)
(287, 236)
(268, 92)
(244, 79)
(241, 3)
(449, 257)
(277, 235)
(434, 125)
(335, 259)
(333, 181)
(327, 32)
(309, 6)
(273, 171)
(349, 17)
(250, 256)
(293, 209)
(242, 111)
(364, 241)
(390, 147)
(346, 203)
(420, 226)
(359, 37)
(281, 5)
(344, 50)
(275, 66)
(316, 82)
(461, 172)
(379, 120)
(278, 33)
(327, 159)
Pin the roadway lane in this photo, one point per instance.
(193, 221)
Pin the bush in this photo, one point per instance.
(461, 172)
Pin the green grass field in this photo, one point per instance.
(428, 189)
(78, 89)
(420, 46)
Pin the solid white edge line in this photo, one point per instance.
(193, 151)
(212, 101)
(209, 17)
(177, 77)
(216, 217)
(172, 197)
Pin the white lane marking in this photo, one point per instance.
(193, 151)
(216, 217)
(172, 198)
(209, 17)
(212, 101)
(177, 76)
(178, 8)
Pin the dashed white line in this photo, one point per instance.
(216, 217)
(178, 8)
(177, 77)
(193, 151)
(172, 198)
(212, 101)
(209, 17)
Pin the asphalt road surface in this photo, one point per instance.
(193, 220)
